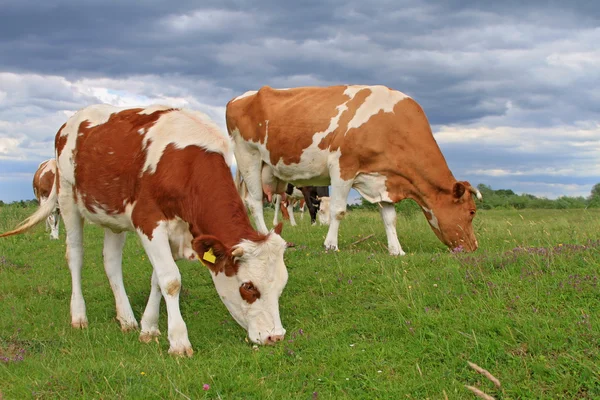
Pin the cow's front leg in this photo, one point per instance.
(337, 210)
(388, 214)
(169, 280)
(250, 164)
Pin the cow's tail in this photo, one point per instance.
(41, 213)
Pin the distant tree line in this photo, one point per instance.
(507, 199)
(492, 199)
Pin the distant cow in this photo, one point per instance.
(371, 138)
(43, 181)
(164, 173)
(312, 198)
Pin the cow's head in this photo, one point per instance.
(249, 279)
(451, 217)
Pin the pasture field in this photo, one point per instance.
(360, 323)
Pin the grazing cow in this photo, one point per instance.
(164, 173)
(371, 138)
(306, 195)
(312, 198)
(43, 181)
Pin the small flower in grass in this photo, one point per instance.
(435, 285)
(457, 249)
(142, 373)
(205, 387)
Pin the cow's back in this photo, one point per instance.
(108, 156)
(368, 129)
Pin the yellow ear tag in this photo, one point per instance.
(209, 256)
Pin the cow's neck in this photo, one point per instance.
(431, 183)
(213, 206)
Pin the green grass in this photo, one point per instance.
(361, 324)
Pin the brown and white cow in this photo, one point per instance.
(43, 181)
(371, 138)
(164, 174)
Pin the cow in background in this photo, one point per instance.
(164, 174)
(371, 138)
(43, 182)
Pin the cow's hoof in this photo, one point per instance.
(128, 326)
(80, 323)
(331, 247)
(147, 337)
(181, 351)
(397, 253)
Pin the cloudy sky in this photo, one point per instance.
(511, 88)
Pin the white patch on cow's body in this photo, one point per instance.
(49, 166)
(248, 93)
(433, 221)
(262, 264)
(380, 99)
(192, 128)
(154, 108)
(372, 187)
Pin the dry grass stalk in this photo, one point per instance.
(485, 373)
(363, 239)
(479, 393)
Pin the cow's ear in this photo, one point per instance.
(213, 254)
(458, 190)
(278, 228)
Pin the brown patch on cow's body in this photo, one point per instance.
(249, 292)
(60, 141)
(196, 186)
(43, 179)
(289, 131)
(108, 159)
(173, 288)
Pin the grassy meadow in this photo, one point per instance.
(360, 323)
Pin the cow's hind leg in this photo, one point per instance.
(169, 279)
(113, 266)
(53, 221)
(277, 207)
(150, 317)
(388, 214)
(290, 209)
(74, 229)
